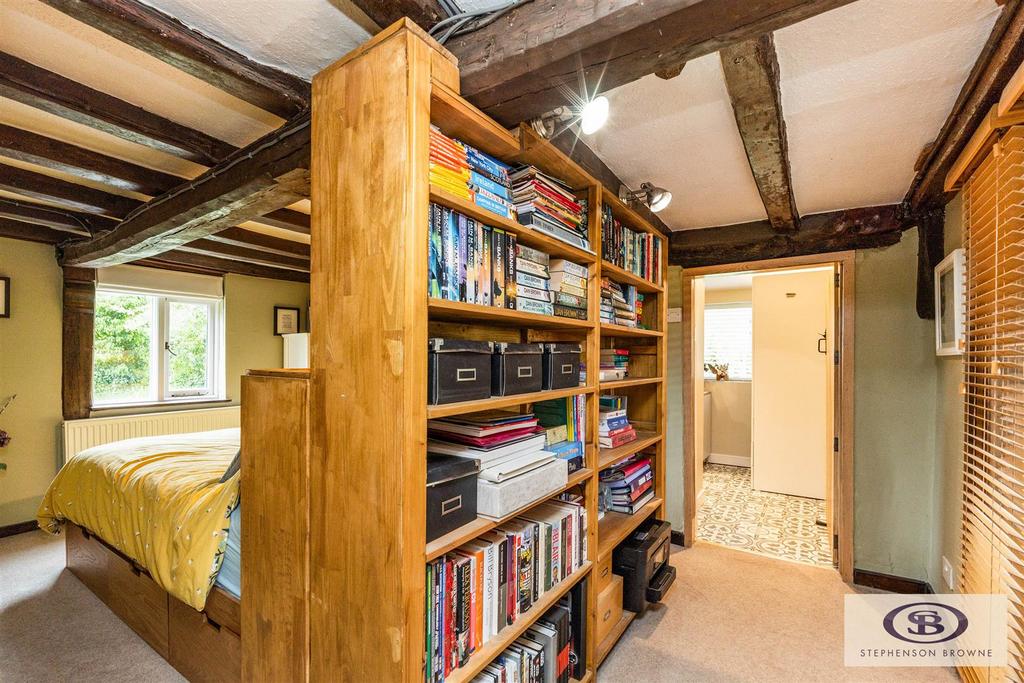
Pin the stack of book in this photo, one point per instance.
(470, 174)
(487, 584)
(569, 289)
(637, 252)
(548, 205)
(614, 364)
(533, 294)
(506, 444)
(620, 304)
(541, 654)
(469, 261)
(614, 429)
(628, 486)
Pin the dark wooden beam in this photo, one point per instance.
(426, 13)
(170, 41)
(83, 163)
(79, 317)
(42, 89)
(237, 252)
(579, 152)
(286, 219)
(201, 263)
(264, 176)
(55, 219)
(588, 46)
(16, 230)
(256, 240)
(63, 193)
(931, 227)
(1002, 54)
(868, 227)
(752, 77)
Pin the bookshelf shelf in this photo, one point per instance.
(458, 311)
(448, 409)
(616, 526)
(589, 676)
(623, 276)
(606, 645)
(630, 382)
(529, 237)
(508, 635)
(610, 330)
(612, 456)
(458, 118)
(481, 525)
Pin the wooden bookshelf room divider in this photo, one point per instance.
(371, 319)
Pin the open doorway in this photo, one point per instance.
(768, 427)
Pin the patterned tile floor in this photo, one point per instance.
(735, 515)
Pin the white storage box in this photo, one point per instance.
(498, 500)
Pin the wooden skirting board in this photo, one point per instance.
(18, 528)
(889, 582)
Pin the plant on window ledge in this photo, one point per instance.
(5, 438)
(719, 370)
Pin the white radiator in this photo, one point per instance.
(82, 434)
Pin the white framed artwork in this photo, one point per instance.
(950, 282)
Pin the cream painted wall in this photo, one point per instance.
(30, 366)
(727, 296)
(730, 417)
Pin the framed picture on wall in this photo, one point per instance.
(286, 320)
(5, 297)
(949, 305)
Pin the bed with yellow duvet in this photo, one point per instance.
(163, 501)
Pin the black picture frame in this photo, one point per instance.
(5, 297)
(278, 331)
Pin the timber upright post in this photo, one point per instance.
(371, 122)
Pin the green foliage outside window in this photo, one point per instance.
(121, 352)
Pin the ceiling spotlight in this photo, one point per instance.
(656, 198)
(594, 115)
(590, 118)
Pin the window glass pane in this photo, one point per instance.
(123, 349)
(188, 335)
(728, 339)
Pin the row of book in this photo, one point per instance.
(628, 486)
(469, 261)
(568, 414)
(470, 174)
(621, 304)
(550, 286)
(614, 429)
(637, 252)
(488, 584)
(548, 205)
(614, 364)
(541, 655)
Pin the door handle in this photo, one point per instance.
(823, 338)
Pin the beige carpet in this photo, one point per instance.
(52, 628)
(735, 616)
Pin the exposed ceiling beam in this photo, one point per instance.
(83, 163)
(255, 240)
(999, 58)
(56, 219)
(426, 13)
(29, 232)
(237, 252)
(201, 263)
(589, 46)
(930, 252)
(62, 193)
(170, 41)
(752, 78)
(32, 85)
(262, 177)
(873, 226)
(286, 219)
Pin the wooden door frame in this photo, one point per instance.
(843, 507)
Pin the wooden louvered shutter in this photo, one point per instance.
(992, 556)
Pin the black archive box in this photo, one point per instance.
(458, 370)
(451, 493)
(561, 365)
(516, 369)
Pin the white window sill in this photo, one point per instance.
(175, 403)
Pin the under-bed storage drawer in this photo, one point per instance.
(201, 650)
(128, 591)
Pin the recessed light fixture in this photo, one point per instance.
(656, 198)
(594, 115)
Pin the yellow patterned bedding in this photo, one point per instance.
(158, 500)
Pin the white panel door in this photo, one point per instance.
(791, 314)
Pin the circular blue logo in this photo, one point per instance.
(925, 622)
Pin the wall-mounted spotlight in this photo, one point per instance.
(591, 117)
(656, 198)
(594, 115)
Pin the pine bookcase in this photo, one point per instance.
(371, 318)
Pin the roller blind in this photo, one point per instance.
(728, 337)
(159, 282)
(992, 551)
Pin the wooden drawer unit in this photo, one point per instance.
(603, 573)
(609, 607)
(128, 591)
(202, 651)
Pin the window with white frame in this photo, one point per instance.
(728, 338)
(152, 346)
